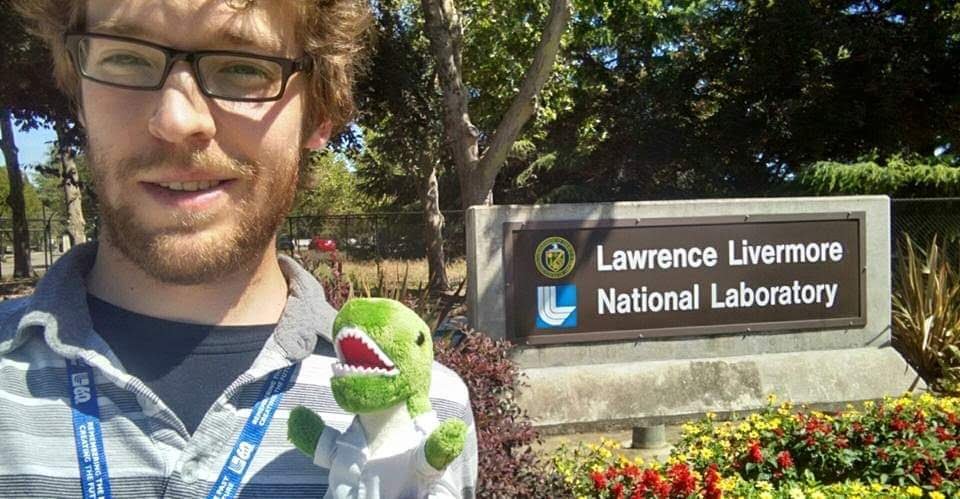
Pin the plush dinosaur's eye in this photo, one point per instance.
(420, 339)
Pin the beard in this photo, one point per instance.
(182, 252)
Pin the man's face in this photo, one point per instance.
(193, 188)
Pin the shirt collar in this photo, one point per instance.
(58, 310)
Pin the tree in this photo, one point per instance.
(398, 103)
(29, 99)
(718, 98)
(478, 170)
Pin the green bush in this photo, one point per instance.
(926, 313)
(897, 177)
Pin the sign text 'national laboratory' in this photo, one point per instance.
(615, 279)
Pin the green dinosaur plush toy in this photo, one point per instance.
(394, 447)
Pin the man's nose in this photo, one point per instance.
(182, 113)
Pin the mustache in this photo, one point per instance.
(205, 160)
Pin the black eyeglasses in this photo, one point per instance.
(222, 74)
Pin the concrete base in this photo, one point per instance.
(603, 395)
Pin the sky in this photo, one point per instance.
(33, 145)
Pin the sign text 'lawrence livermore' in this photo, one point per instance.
(684, 277)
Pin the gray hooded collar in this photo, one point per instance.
(58, 310)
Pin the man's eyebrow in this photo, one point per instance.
(227, 36)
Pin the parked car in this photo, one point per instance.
(323, 244)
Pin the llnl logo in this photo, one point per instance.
(556, 306)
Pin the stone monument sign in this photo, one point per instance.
(624, 311)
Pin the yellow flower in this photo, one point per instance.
(706, 454)
(711, 416)
(766, 495)
(817, 495)
(937, 495)
(754, 435)
(914, 491)
(764, 485)
(796, 493)
(772, 399)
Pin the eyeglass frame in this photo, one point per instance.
(288, 67)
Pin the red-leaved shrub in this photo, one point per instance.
(507, 465)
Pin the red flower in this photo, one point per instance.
(953, 452)
(882, 455)
(842, 443)
(754, 453)
(683, 484)
(711, 483)
(920, 427)
(869, 439)
(953, 419)
(785, 460)
(662, 490)
(942, 434)
(857, 427)
(918, 468)
(811, 441)
(778, 432)
(936, 479)
(651, 479)
(897, 424)
(617, 490)
(638, 493)
(632, 471)
(599, 481)
(611, 473)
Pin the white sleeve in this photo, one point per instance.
(326, 447)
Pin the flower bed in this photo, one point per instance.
(906, 447)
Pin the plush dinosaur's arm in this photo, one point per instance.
(304, 429)
(445, 443)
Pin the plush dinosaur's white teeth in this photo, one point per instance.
(341, 369)
(358, 334)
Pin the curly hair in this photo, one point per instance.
(332, 32)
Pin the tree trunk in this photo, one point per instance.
(21, 232)
(478, 173)
(433, 230)
(72, 194)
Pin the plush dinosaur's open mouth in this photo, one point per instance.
(358, 354)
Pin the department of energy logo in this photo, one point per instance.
(555, 257)
(556, 306)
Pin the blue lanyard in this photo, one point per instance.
(92, 460)
(94, 478)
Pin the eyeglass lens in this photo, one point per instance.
(141, 66)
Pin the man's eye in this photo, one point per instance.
(124, 60)
(245, 71)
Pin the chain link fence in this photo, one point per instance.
(373, 236)
(922, 219)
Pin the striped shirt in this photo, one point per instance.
(148, 450)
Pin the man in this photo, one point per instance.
(165, 359)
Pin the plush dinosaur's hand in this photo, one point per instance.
(445, 443)
(303, 429)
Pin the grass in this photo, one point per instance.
(394, 271)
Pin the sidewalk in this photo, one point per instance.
(552, 442)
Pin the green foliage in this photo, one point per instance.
(31, 197)
(926, 312)
(897, 177)
(331, 189)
